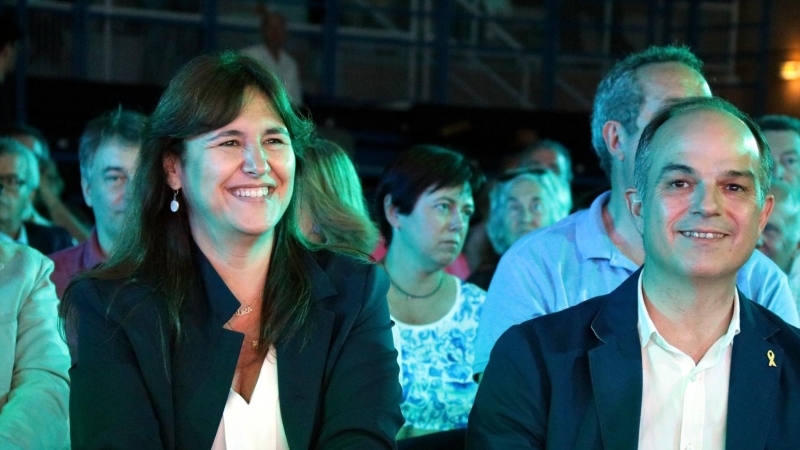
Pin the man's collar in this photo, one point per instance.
(21, 239)
(94, 254)
(592, 238)
(648, 330)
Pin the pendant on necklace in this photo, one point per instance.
(255, 344)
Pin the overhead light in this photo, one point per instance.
(790, 70)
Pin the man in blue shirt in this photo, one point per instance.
(591, 252)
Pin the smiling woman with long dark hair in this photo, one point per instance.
(180, 333)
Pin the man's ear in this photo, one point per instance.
(391, 212)
(634, 203)
(766, 210)
(615, 137)
(173, 169)
(86, 189)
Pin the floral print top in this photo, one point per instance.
(436, 364)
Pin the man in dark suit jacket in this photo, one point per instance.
(675, 357)
(48, 239)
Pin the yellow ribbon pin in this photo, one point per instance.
(771, 357)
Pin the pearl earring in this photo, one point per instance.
(174, 205)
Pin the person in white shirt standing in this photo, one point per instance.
(676, 357)
(271, 53)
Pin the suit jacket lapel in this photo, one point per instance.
(204, 359)
(301, 364)
(616, 368)
(753, 387)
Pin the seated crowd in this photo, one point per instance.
(228, 237)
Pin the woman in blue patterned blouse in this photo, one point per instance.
(426, 197)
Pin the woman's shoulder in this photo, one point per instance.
(352, 279)
(331, 261)
(472, 293)
(470, 304)
(115, 297)
(343, 270)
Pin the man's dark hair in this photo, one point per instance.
(120, 124)
(417, 170)
(620, 96)
(777, 122)
(644, 153)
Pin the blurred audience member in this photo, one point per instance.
(108, 151)
(783, 136)
(426, 197)
(34, 385)
(546, 153)
(593, 251)
(550, 154)
(10, 35)
(780, 240)
(521, 201)
(51, 186)
(19, 178)
(330, 202)
(271, 52)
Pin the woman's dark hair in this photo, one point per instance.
(418, 169)
(155, 245)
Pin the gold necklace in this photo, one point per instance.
(254, 342)
(246, 310)
(241, 312)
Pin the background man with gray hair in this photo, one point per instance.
(19, 178)
(780, 240)
(591, 252)
(676, 356)
(108, 151)
(783, 136)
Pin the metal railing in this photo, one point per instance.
(393, 52)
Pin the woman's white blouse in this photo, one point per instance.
(258, 424)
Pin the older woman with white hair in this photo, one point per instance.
(521, 200)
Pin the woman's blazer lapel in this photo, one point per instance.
(301, 363)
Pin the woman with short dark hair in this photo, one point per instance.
(426, 197)
(180, 333)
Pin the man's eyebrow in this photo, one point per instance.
(113, 168)
(675, 167)
(740, 174)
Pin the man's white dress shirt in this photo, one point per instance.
(684, 405)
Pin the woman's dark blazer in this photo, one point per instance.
(132, 389)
